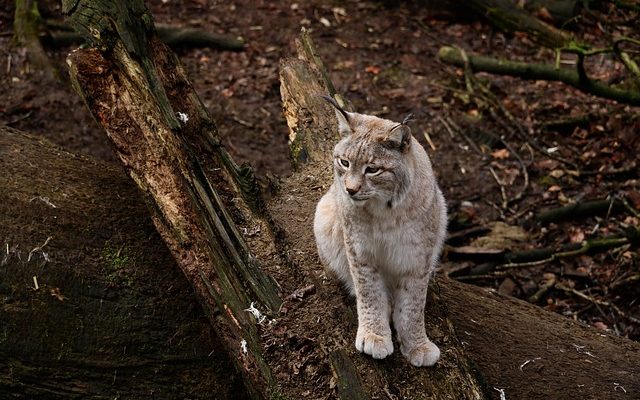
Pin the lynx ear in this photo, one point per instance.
(344, 120)
(399, 137)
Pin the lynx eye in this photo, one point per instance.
(345, 163)
(372, 170)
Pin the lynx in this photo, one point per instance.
(380, 227)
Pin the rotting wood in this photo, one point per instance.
(507, 16)
(137, 89)
(302, 81)
(61, 34)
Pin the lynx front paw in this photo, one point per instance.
(426, 354)
(373, 344)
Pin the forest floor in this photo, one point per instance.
(504, 149)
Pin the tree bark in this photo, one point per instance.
(137, 89)
(27, 25)
(111, 316)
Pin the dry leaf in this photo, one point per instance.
(557, 173)
(547, 164)
(373, 69)
(576, 236)
(554, 188)
(544, 14)
(55, 292)
(600, 325)
(500, 154)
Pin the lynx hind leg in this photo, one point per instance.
(330, 240)
(408, 318)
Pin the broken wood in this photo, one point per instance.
(60, 34)
(506, 15)
(534, 71)
(137, 89)
(490, 259)
(583, 209)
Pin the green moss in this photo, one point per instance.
(118, 259)
(547, 181)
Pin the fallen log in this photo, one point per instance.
(91, 302)
(137, 89)
(507, 16)
(471, 310)
(60, 34)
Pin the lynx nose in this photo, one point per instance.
(352, 190)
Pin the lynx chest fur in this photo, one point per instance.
(380, 229)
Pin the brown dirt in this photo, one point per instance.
(382, 57)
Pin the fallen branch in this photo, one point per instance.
(493, 259)
(579, 210)
(61, 35)
(593, 300)
(507, 16)
(533, 71)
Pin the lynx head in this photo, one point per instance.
(371, 162)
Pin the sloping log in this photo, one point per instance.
(111, 316)
(313, 132)
(137, 89)
(501, 335)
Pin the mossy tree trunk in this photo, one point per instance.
(27, 28)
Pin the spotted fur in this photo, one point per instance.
(380, 228)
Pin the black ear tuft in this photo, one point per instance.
(334, 103)
(408, 119)
(399, 137)
(344, 118)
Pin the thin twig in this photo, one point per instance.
(503, 191)
(597, 302)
